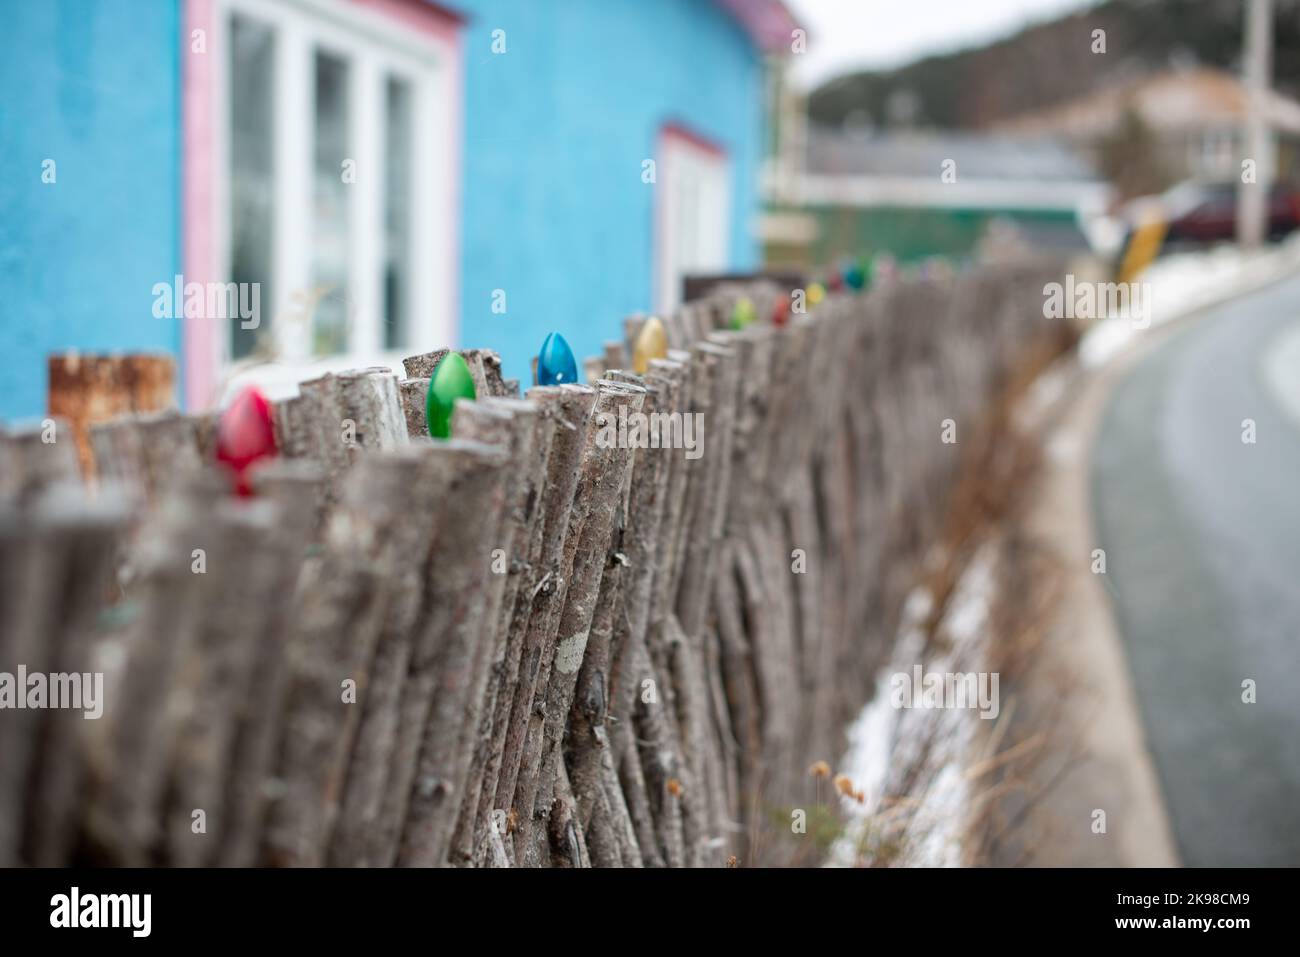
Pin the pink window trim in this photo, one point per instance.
(201, 347)
(426, 17)
(685, 135)
(680, 134)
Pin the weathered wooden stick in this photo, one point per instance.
(168, 603)
(152, 450)
(414, 485)
(565, 834)
(807, 633)
(586, 734)
(709, 515)
(703, 810)
(118, 449)
(34, 458)
(295, 489)
(515, 617)
(669, 554)
(648, 500)
(571, 407)
(660, 755)
(55, 567)
(484, 368)
(765, 578)
(614, 354)
(340, 416)
(341, 614)
(511, 424)
(737, 675)
(451, 650)
(414, 394)
(371, 410)
(292, 423)
(640, 537)
(726, 770)
(687, 524)
(244, 582)
(636, 791)
(601, 481)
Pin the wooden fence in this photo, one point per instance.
(522, 646)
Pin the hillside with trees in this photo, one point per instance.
(1053, 62)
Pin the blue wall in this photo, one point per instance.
(98, 92)
(556, 129)
(554, 210)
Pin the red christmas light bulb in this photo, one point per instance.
(245, 435)
(781, 311)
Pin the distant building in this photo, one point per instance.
(917, 193)
(394, 175)
(1196, 116)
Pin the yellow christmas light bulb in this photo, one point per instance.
(651, 343)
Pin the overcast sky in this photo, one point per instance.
(845, 35)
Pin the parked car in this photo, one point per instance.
(1199, 213)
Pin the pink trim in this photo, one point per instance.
(684, 134)
(769, 23)
(422, 15)
(200, 347)
(681, 135)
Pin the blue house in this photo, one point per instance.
(269, 189)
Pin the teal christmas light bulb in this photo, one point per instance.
(555, 363)
(450, 381)
(855, 275)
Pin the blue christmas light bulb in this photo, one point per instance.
(555, 363)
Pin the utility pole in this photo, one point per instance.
(1252, 198)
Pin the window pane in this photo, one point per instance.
(252, 187)
(330, 227)
(397, 204)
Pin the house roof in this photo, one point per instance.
(903, 169)
(922, 153)
(769, 23)
(1172, 101)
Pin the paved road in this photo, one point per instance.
(1202, 539)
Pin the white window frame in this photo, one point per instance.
(375, 47)
(686, 163)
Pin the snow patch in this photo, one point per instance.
(1184, 283)
(888, 744)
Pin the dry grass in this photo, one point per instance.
(993, 486)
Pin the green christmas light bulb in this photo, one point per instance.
(450, 381)
(743, 313)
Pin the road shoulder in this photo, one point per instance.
(1076, 688)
